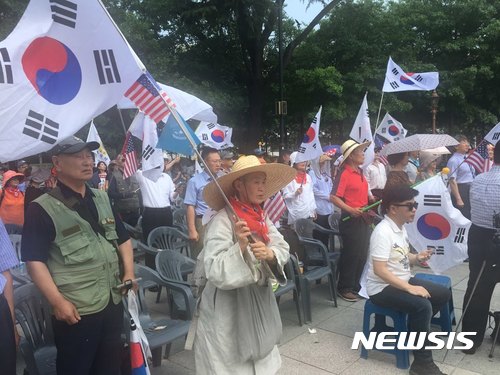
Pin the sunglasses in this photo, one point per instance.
(410, 206)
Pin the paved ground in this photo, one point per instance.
(328, 350)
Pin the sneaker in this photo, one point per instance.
(349, 296)
(419, 368)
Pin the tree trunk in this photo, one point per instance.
(253, 128)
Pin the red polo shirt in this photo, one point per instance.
(351, 186)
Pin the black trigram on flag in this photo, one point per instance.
(432, 200)
(211, 126)
(383, 130)
(40, 127)
(496, 136)
(436, 250)
(395, 71)
(418, 78)
(315, 120)
(302, 149)
(64, 12)
(107, 70)
(148, 151)
(394, 84)
(204, 137)
(5, 67)
(314, 145)
(460, 235)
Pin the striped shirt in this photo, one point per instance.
(485, 197)
(8, 258)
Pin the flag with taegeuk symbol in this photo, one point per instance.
(438, 226)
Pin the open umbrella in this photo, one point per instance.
(418, 142)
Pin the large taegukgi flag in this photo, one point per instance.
(362, 132)
(63, 64)
(438, 226)
(396, 79)
(310, 147)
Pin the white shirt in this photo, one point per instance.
(157, 194)
(376, 176)
(301, 206)
(388, 243)
(412, 171)
(485, 197)
(461, 172)
(322, 187)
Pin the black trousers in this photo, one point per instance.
(93, 346)
(153, 218)
(464, 190)
(420, 310)
(323, 221)
(480, 249)
(355, 234)
(7, 340)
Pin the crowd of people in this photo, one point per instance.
(77, 248)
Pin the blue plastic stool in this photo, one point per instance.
(446, 316)
(400, 320)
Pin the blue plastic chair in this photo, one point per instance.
(400, 320)
(446, 316)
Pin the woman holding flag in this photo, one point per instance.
(242, 256)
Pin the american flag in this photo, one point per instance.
(477, 159)
(149, 98)
(275, 207)
(128, 151)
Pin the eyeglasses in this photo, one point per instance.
(410, 206)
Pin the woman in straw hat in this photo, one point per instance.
(234, 266)
(350, 194)
(428, 165)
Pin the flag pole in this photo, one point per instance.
(379, 109)
(121, 120)
(190, 139)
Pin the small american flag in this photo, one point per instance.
(149, 98)
(128, 151)
(275, 207)
(478, 157)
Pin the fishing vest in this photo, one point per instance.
(129, 204)
(83, 264)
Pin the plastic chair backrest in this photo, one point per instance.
(169, 263)
(169, 238)
(304, 228)
(180, 217)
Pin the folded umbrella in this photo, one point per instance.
(418, 142)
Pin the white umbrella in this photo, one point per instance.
(418, 142)
(189, 106)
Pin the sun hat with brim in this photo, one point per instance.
(39, 175)
(10, 174)
(277, 176)
(426, 158)
(72, 145)
(349, 146)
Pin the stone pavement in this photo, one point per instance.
(328, 350)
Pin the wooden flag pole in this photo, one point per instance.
(379, 109)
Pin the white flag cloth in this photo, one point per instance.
(189, 106)
(144, 128)
(390, 129)
(493, 135)
(214, 135)
(438, 226)
(362, 132)
(310, 147)
(61, 67)
(100, 154)
(397, 80)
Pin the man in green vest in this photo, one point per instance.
(78, 251)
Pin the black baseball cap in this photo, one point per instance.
(72, 145)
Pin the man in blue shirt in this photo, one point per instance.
(195, 205)
(461, 176)
(8, 335)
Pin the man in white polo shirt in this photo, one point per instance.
(461, 176)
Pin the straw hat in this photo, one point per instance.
(427, 158)
(277, 176)
(349, 146)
